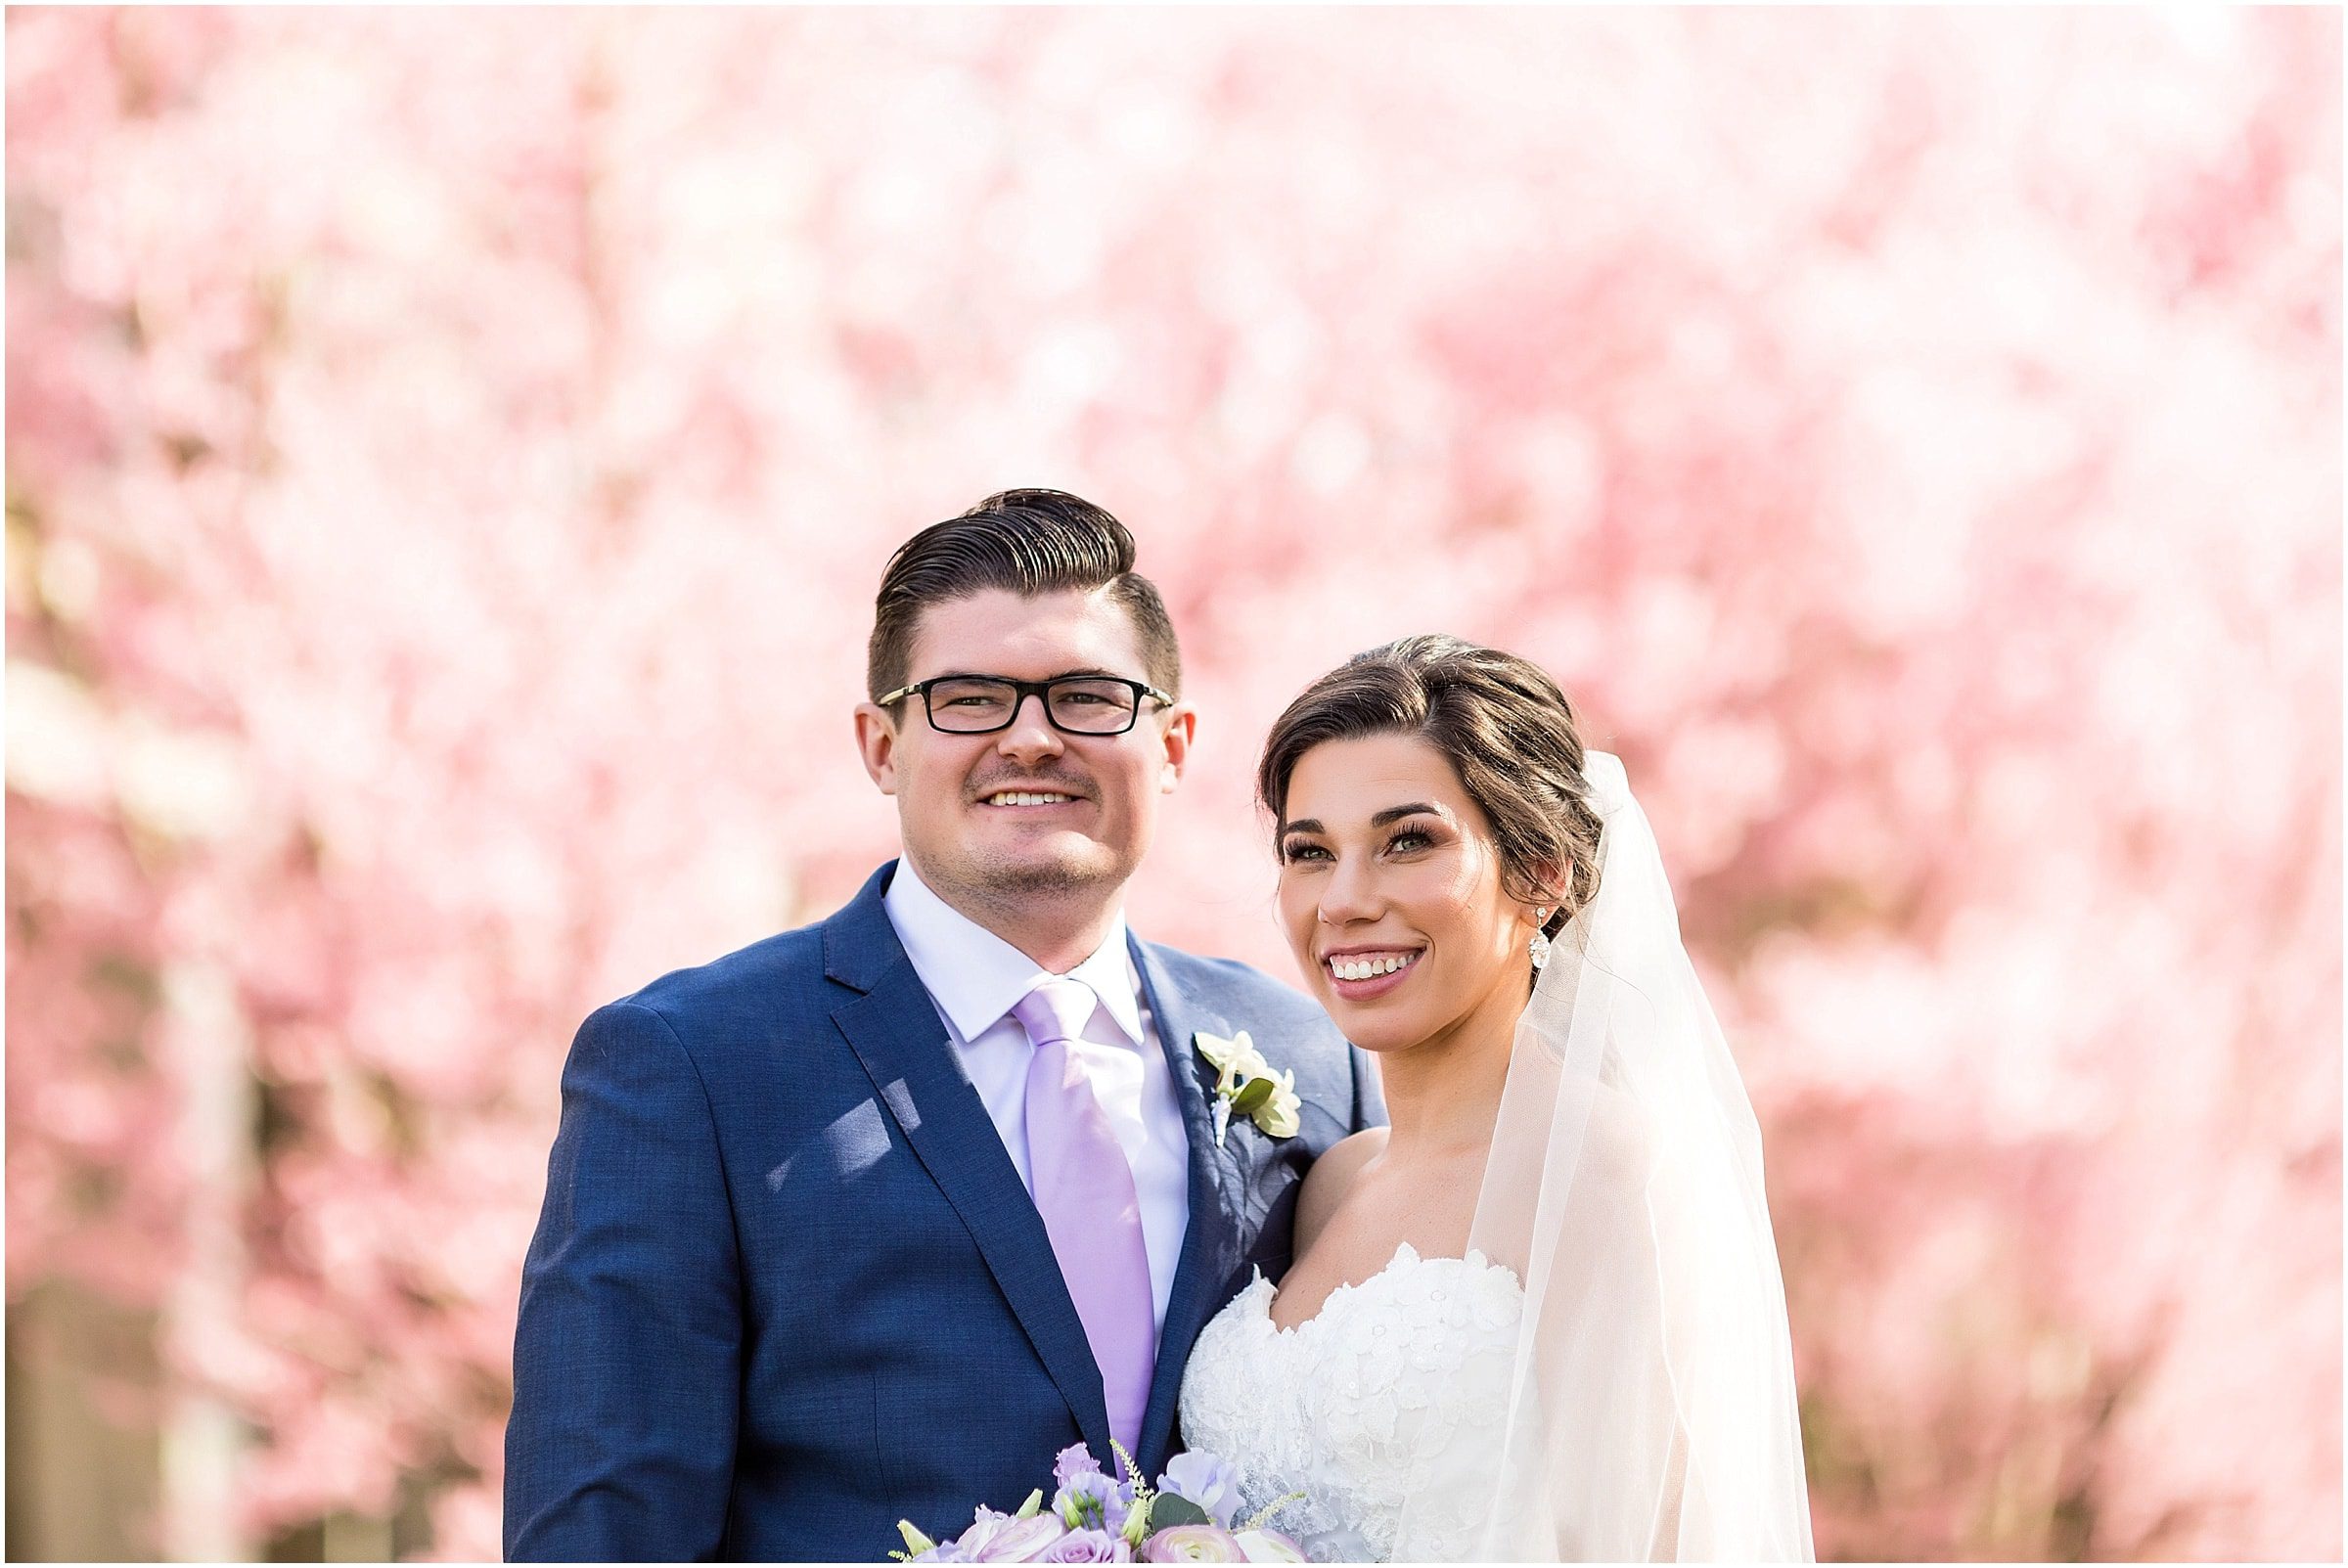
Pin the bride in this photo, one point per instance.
(1539, 1317)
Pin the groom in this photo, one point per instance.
(869, 1220)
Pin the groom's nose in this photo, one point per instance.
(1030, 736)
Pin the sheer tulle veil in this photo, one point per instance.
(1651, 1413)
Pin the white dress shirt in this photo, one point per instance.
(975, 978)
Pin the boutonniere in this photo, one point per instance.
(1247, 1085)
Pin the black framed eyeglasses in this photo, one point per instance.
(1076, 704)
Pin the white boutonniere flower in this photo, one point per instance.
(1245, 1084)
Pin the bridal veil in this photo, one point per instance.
(1651, 1411)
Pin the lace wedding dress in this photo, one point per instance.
(1399, 1385)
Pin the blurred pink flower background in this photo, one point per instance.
(450, 457)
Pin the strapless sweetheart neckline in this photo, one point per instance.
(1405, 1256)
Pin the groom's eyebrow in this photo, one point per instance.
(1088, 671)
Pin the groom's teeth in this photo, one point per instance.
(1027, 797)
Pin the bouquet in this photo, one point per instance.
(1096, 1518)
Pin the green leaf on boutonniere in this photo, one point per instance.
(1256, 1092)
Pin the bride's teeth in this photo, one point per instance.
(1370, 969)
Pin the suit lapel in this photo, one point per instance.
(895, 1031)
(1210, 1241)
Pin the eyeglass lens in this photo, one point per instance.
(1088, 707)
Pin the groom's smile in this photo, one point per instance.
(1033, 805)
(1029, 795)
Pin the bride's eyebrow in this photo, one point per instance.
(1392, 814)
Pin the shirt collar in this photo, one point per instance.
(977, 977)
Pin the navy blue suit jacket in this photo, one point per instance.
(788, 1286)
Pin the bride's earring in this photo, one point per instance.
(1540, 942)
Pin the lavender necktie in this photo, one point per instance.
(1084, 1190)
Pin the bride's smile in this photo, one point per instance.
(1360, 973)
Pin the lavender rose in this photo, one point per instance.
(1088, 1545)
(1191, 1542)
(1004, 1537)
(1205, 1480)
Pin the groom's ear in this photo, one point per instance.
(1181, 727)
(877, 742)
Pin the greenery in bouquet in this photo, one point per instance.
(1095, 1516)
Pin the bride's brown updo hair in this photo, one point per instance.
(1507, 730)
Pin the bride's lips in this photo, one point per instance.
(1377, 957)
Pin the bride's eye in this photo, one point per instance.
(1410, 841)
(1298, 849)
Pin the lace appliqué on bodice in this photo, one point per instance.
(1401, 1382)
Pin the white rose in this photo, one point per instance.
(1269, 1545)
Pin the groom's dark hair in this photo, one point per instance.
(1027, 542)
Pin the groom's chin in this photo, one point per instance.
(1047, 869)
(1048, 876)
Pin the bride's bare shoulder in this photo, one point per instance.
(1331, 1177)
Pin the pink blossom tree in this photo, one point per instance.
(450, 459)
